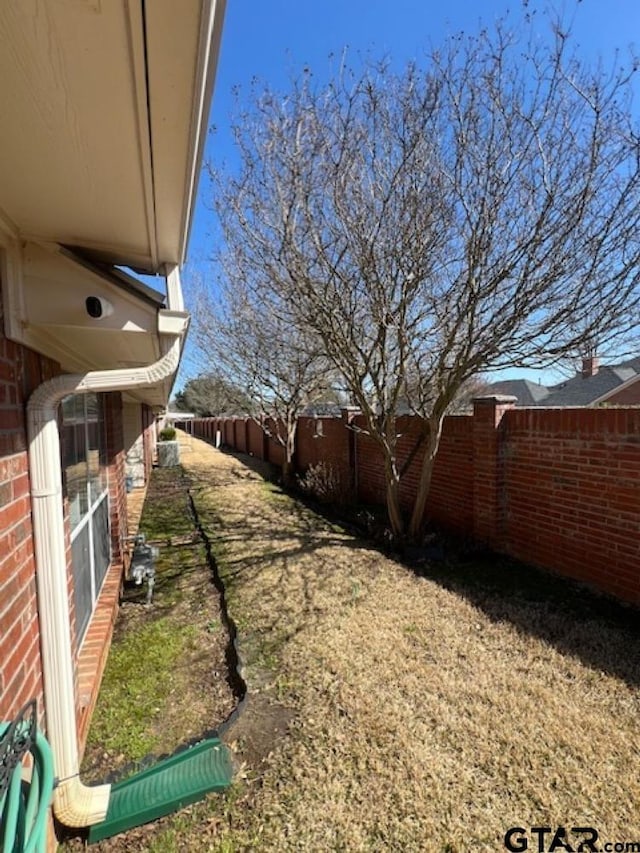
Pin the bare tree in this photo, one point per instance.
(209, 394)
(430, 225)
(251, 338)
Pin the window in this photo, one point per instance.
(85, 475)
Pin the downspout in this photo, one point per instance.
(74, 803)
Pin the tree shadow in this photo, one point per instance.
(295, 582)
(601, 632)
(290, 564)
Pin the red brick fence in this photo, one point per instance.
(558, 488)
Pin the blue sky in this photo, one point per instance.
(272, 40)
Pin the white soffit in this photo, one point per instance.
(51, 315)
(71, 153)
(90, 155)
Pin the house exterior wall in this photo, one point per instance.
(629, 396)
(558, 488)
(91, 658)
(21, 371)
(117, 470)
(21, 678)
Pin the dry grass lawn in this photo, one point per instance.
(426, 715)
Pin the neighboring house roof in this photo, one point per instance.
(322, 410)
(528, 393)
(583, 391)
(579, 390)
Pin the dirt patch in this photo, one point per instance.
(255, 733)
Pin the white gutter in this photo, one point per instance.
(211, 21)
(74, 803)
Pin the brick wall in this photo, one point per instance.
(21, 371)
(20, 664)
(450, 502)
(240, 442)
(256, 440)
(571, 491)
(559, 488)
(275, 451)
(207, 427)
(324, 440)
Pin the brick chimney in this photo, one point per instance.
(589, 366)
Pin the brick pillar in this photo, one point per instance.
(487, 468)
(116, 462)
(148, 434)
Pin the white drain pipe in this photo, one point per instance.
(74, 803)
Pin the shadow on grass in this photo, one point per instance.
(596, 629)
(295, 595)
(601, 632)
(310, 521)
(281, 573)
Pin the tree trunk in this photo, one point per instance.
(287, 473)
(393, 498)
(288, 466)
(393, 509)
(416, 525)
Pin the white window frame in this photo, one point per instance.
(87, 517)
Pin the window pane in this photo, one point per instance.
(96, 449)
(84, 463)
(74, 458)
(81, 561)
(68, 433)
(101, 542)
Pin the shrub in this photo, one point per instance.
(324, 482)
(167, 434)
